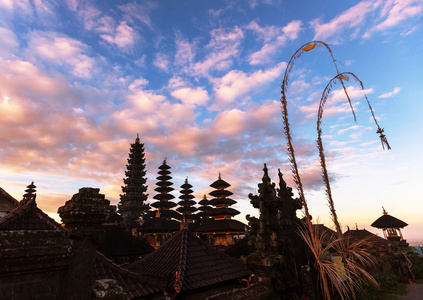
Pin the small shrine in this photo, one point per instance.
(221, 230)
(390, 226)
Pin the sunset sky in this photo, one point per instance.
(200, 82)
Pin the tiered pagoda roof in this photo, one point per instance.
(187, 203)
(221, 202)
(204, 208)
(133, 200)
(221, 215)
(164, 188)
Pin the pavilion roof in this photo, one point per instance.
(189, 263)
(387, 221)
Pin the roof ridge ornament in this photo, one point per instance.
(220, 176)
(137, 140)
(384, 211)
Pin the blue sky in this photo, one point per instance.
(200, 81)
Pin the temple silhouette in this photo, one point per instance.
(190, 249)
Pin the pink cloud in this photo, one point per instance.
(61, 50)
(8, 42)
(194, 96)
(230, 122)
(162, 62)
(223, 46)
(289, 32)
(237, 83)
(185, 51)
(124, 37)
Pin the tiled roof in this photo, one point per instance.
(197, 264)
(28, 217)
(7, 202)
(135, 285)
(222, 226)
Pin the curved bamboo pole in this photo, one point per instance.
(291, 153)
(325, 176)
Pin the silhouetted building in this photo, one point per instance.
(7, 203)
(186, 205)
(163, 225)
(390, 226)
(133, 200)
(221, 229)
(191, 268)
(204, 209)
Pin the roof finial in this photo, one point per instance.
(204, 197)
(164, 161)
(384, 211)
(220, 176)
(137, 140)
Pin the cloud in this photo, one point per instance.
(222, 49)
(236, 83)
(289, 32)
(230, 122)
(124, 37)
(350, 19)
(397, 12)
(59, 49)
(139, 11)
(162, 62)
(194, 96)
(185, 51)
(391, 94)
(332, 106)
(265, 33)
(8, 42)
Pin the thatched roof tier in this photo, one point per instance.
(220, 193)
(387, 221)
(222, 201)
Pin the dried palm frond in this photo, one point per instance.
(345, 277)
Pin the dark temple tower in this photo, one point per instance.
(132, 201)
(187, 203)
(164, 203)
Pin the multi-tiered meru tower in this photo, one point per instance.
(133, 200)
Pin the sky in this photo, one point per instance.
(200, 81)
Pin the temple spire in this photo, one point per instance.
(132, 203)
